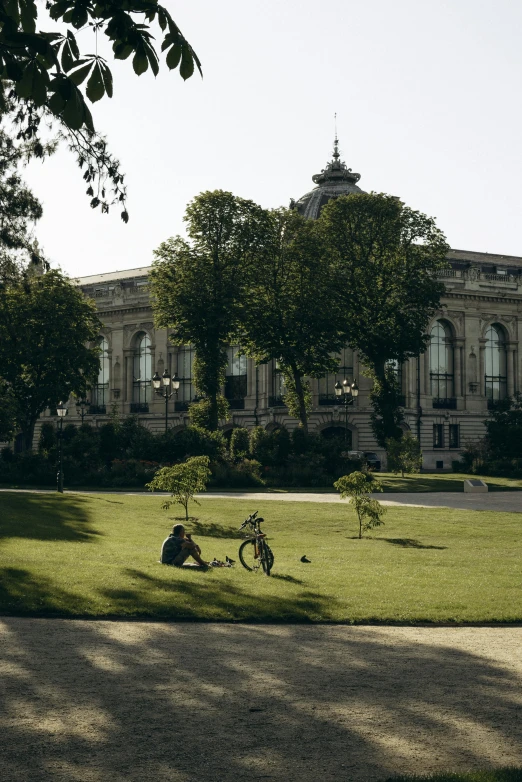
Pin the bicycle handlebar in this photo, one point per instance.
(250, 519)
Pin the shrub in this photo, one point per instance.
(404, 454)
(199, 412)
(194, 441)
(239, 444)
(239, 475)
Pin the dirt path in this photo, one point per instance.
(114, 701)
(506, 501)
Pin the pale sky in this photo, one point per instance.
(428, 101)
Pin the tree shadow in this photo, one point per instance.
(46, 517)
(193, 596)
(137, 701)
(24, 594)
(410, 543)
(210, 529)
(290, 579)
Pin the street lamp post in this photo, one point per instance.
(81, 407)
(349, 394)
(62, 412)
(167, 380)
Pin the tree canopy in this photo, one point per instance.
(197, 285)
(289, 311)
(45, 76)
(48, 350)
(386, 258)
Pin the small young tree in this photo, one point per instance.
(357, 487)
(404, 454)
(183, 481)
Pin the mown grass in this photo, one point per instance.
(96, 555)
(495, 775)
(425, 482)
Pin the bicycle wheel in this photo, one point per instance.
(267, 558)
(247, 556)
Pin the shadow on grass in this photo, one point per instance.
(203, 593)
(290, 579)
(410, 543)
(436, 483)
(24, 594)
(46, 517)
(213, 530)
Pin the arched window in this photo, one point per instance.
(441, 365)
(344, 371)
(100, 392)
(142, 370)
(495, 364)
(236, 378)
(343, 435)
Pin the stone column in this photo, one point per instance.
(128, 374)
(458, 366)
(482, 367)
(511, 367)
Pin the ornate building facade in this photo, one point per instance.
(473, 358)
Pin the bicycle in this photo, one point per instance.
(255, 551)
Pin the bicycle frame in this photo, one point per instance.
(262, 553)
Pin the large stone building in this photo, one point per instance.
(473, 357)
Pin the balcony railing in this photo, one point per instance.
(329, 399)
(139, 407)
(97, 410)
(444, 404)
(276, 401)
(182, 406)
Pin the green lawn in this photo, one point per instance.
(410, 483)
(425, 482)
(443, 482)
(96, 555)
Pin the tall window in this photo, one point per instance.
(278, 386)
(496, 364)
(100, 392)
(236, 377)
(186, 391)
(396, 367)
(344, 371)
(142, 387)
(441, 364)
(438, 435)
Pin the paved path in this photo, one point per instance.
(508, 501)
(143, 701)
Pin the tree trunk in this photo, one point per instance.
(28, 435)
(303, 416)
(213, 419)
(385, 404)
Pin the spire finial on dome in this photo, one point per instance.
(336, 154)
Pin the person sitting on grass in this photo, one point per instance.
(178, 547)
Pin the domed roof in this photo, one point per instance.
(333, 181)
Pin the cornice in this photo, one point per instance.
(482, 297)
